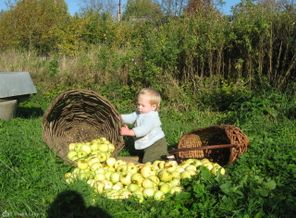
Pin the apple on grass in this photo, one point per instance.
(122, 169)
(148, 192)
(159, 195)
(100, 177)
(147, 183)
(146, 171)
(99, 186)
(119, 163)
(95, 166)
(115, 177)
(164, 175)
(81, 154)
(82, 164)
(111, 161)
(93, 159)
(165, 188)
(117, 186)
(132, 168)
(102, 157)
(72, 155)
(176, 189)
(154, 179)
(137, 178)
(126, 179)
(133, 187)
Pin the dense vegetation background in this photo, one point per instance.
(210, 69)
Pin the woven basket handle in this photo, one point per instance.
(209, 147)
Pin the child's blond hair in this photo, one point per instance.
(154, 96)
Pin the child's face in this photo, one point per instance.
(144, 105)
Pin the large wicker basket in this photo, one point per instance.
(222, 144)
(80, 116)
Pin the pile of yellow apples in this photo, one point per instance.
(118, 179)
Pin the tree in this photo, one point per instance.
(142, 9)
(31, 23)
(100, 6)
(173, 7)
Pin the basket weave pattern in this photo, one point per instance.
(227, 141)
(191, 141)
(80, 116)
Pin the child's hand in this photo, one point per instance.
(125, 131)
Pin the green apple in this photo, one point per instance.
(86, 148)
(154, 179)
(103, 147)
(159, 195)
(148, 192)
(139, 195)
(126, 179)
(95, 166)
(175, 174)
(81, 154)
(102, 157)
(108, 174)
(93, 159)
(186, 175)
(107, 184)
(115, 177)
(147, 183)
(111, 161)
(208, 165)
(69, 177)
(133, 187)
(111, 147)
(165, 188)
(175, 182)
(72, 146)
(122, 169)
(94, 146)
(190, 168)
(164, 175)
(176, 189)
(72, 155)
(119, 163)
(146, 171)
(137, 178)
(171, 163)
(99, 186)
(91, 182)
(82, 164)
(117, 186)
(159, 164)
(100, 177)
(132, 168)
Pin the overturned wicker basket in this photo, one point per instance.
(79, 116)
(222, 144)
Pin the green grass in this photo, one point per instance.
(260, 184)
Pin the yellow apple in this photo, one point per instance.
(159, 195)
(82, 164)
(147, 183)
(111, 161)
(148, 192)
(164, 175)
(137, 178)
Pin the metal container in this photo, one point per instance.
(15, 87)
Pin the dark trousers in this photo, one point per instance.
(155, 151)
